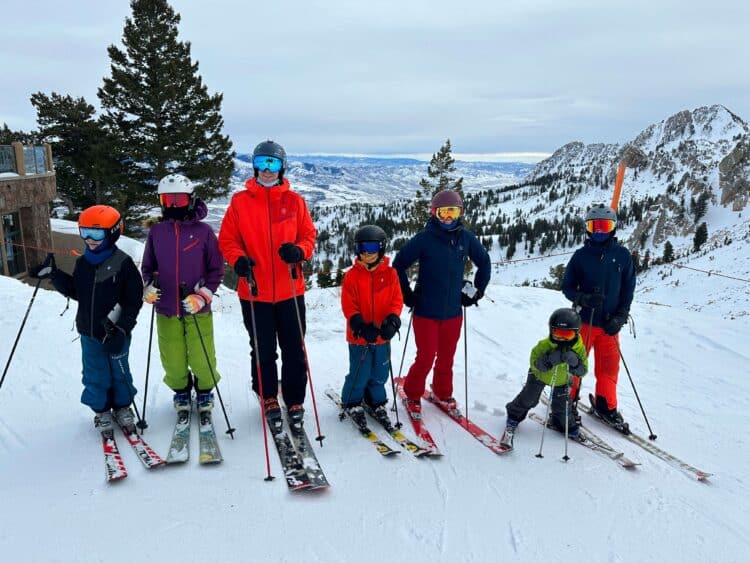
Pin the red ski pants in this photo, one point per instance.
(434, 339)
(606, 363)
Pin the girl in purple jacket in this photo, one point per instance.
(182, 268)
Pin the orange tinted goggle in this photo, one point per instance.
(451, 212)
(600, 226)
(563, 333)
(174, 200)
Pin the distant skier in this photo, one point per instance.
(371, 301)
(441, 249)
(182, 268)
(267, 230)
(552, 360)
(600, 281)
(108, 288)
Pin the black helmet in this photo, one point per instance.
(270, 148)
(564, 319)
(370, 233)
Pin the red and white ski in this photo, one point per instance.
(148, 456)
(419, 429)
(484, 437)
(114, 466)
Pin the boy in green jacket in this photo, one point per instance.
(553, 360)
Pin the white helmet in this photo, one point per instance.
(175, 184)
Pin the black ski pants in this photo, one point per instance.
(278, 322)
(529, 396)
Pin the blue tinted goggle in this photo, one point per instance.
(270, 163)
(368, 247)
(92, 233)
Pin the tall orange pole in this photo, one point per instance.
(618, 185)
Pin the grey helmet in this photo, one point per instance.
(600, 211)
(271, 148)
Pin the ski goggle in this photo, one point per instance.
(368, 247)
(174, 200)
(92, 233)
(564, 334)
(270, 163)
(451, 213)
(600, 226)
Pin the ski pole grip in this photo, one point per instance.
(293, 270)
(251, 283)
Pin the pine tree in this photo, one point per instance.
(86, 169)
(701, 236)
(156, 104)
(668, 252)
(439, 172)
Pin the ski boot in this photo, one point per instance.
(125, 418)
(182, 401)
(273, 414)
(296, 414)
(103, 421)
(413, 408)
(510, 430)
(357, 414)
(205, 401)
(380, 413)
(612, 417)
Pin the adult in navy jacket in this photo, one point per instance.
(441, 249)
(600, 281)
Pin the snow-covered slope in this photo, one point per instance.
(468, 506)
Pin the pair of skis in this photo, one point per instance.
(114, 465)
(300, 465)
(179, 448)
(647, 445)
(485, 438)
(383, 448)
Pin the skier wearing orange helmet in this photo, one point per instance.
(108, 287)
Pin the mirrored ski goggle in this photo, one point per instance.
(451, 212)
(174, 200)
(600, 226)
(92, 233)
(270, 163)
(563, 334)
(368, 247)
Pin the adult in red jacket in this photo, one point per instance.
(265, 235)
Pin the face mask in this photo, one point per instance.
(600, 237)
(175, 213)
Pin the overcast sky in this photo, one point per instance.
(401, 76)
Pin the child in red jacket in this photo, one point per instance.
(371, 301)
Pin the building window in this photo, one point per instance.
(15, 262)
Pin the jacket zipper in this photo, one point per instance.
(93, 293)
(270, 239)
(177, 266)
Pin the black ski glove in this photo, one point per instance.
(412, 298)
(590, 300)
(114, 338)
(242, 266)
(390, 326)
(291, 253)
(613, 325)
(45, 270)
(571, 358)
(548, 360)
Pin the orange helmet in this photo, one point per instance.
(102, 217)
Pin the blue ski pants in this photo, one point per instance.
(107, 381)
(368, 373)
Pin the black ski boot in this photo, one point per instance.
(612, 417)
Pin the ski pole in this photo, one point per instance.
(20, 330)
(546, 417)
(229, 430)
(466, 363)
(393, 387)
(292, 277)
(651, 435)
(142, 424)
(254, 292)
(567, 412)
(403, 355)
